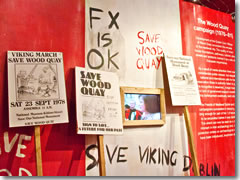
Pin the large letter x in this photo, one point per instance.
(113, 20)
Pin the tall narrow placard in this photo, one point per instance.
(184, 91)
(98, 102)
(36, 92)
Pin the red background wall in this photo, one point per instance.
(213, 151)
(40, 25)
(58, 25)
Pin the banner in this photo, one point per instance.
(208, 36)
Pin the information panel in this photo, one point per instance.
(209, 37)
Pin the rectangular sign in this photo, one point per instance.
(182, 81)
(36, 88)
(98, 102)
(209, 37)
(117, 39)
(131, 45)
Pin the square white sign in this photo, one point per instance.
(98, 102)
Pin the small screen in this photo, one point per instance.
(142, 106)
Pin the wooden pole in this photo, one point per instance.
(37, 134)
(191, 141)
(102, 168)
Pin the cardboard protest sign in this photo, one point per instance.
(98, 102)
(36, 88)
(182, 80)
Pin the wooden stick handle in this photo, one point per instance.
(102, 168)
(191, 141)
(38, 150)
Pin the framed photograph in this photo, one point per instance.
(142, 106)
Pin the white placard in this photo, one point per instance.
(152, 151)
(124, 32)
(128, 37)
(98, 102)
(36, 88)
(182, 81)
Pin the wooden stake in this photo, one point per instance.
(102, 168)
(38, 150)
(191, 141)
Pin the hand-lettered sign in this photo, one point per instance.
(131, 44)
(143, 152)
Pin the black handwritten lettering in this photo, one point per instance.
(110, 59)
(121, 155)
(173, 163)
(166, 157)
(209, 170)
(105, 38)
(142, 156)
(187, 167)
(108, 153)
(157, 155)
(93, 17)
(97, 53)
(109, 40)
(201, 169)
(95, 161)
(151, 157)
(113, 21)
(216, 170)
